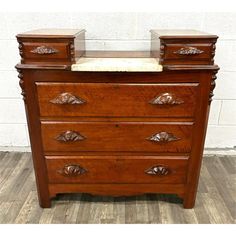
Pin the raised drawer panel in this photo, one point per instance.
(110, 169)
(117, 136)
(117, 100)
(46, 51)
(187, 51)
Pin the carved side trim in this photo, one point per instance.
(67, 98)
(21, 83)
(72, 170)
(162, 51)
(72, 51)
(163, 137)
(158, 170)
(20, 47)
(213, 85)
(69, 136)
(44, 50)
(213, 52)
(188, 51)
(166, 99)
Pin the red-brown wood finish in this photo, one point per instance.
(55, 47)
(110, 169)
(151, 100)
(117, 133)
(116, 136)
(187, 47)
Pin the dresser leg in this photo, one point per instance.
(44, 202)
(189, 201)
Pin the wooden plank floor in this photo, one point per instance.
(215, 200)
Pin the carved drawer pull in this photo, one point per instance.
(70, 136)
(158, 170)
(72, 170)
(188, 51)
(166, 99)
(163, 137)
(67, 98)
(42, 50)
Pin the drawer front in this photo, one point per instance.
(117, 136)
(187, 53)
(110, 169)
(46, 51)
(117, 100)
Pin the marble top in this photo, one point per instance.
(117, 64)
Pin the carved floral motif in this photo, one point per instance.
(213, 52)
(67, 98)
(20, 47)
(21, 83)
(44, 50)
(163, 137)
(72, 49)
(162, 50)
(72, 170)
(213, 85)
(158, 170)
(70, 136)
(189, 51)
(166, 99)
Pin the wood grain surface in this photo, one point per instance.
(125, 136)
(133, 100)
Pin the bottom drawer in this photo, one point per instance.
(117, 169)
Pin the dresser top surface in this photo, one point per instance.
(182, 33)
(51, 33)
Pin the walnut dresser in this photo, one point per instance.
(111, 131)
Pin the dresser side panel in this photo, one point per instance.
(32, 113)
(199, 135)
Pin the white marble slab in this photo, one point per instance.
(117, 64)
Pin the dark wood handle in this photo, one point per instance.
(163, 137)
(166, 99)
(69, 136)
(72, 170)
(158, 170)
(188, 51)
(44, 50)
(67, 98)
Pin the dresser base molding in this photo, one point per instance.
(117, 190)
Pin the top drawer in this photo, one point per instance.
(52, 46)
(117, 99)
(46, 50)
(183, 47)
(186, 53)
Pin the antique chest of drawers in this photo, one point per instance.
(113, 131)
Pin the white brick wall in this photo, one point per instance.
(120, 31)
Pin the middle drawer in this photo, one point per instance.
(117, 99)
(117, 136)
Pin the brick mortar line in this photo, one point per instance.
(220, 112)
(13, 123)
(207, 151)
(11, 98)
(221, 71)
(148, 40)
